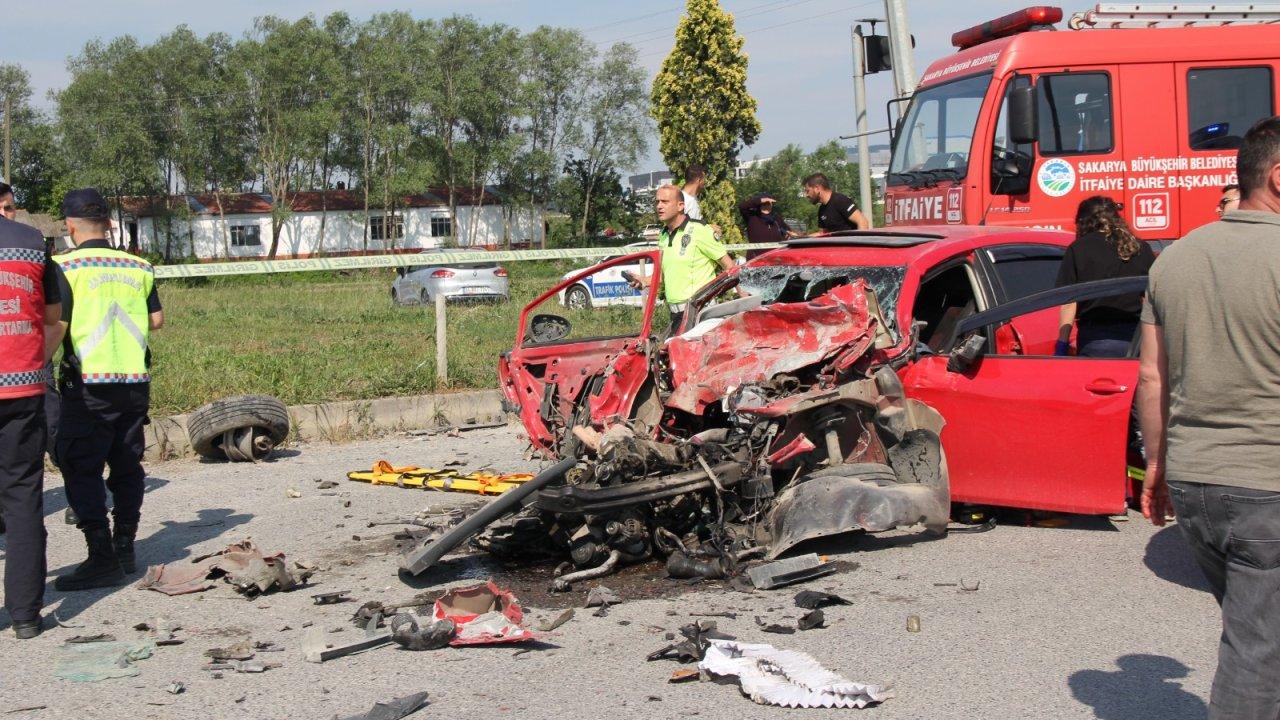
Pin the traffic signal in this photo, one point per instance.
(877, 54)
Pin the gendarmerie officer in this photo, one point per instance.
(29, 314)
(110, 309)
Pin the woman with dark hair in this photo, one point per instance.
(1104, 248)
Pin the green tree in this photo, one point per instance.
(35, 162)
(705, 114)
(287, 69)
(616, 122)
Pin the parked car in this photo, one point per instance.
(609, 287)
(472, 281)
(651, 232)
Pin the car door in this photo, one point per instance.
(555, 374)
(1016, 270)
(1034, 431)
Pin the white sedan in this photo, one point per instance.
(607, 287)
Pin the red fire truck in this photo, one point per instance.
(1025, 121)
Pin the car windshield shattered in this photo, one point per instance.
(794, 283)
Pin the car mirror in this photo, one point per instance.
(1023, 123)
(967, 353)
(548, 329)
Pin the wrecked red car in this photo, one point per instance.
(867, 381)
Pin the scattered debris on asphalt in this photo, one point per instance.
(242, 666)
(393, 709)
(101, 637)
(913, 623)
(242, 564)
(775, 628)
(176, 688)
(331, 598)
(318, 647)
(92, 662)
(787, 678)
(967, 586)
(292, 493)
(601, 595)
(790, 571)
(812, 620)
(242, 650)
(814, 599)
(410, 635)
(560, 619)
(683, 675)
(162, 631)
(697, 636)
(484, 614)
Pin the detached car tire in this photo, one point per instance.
(238, 428)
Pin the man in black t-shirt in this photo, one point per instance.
(836, 212)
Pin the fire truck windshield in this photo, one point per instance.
(933, 143)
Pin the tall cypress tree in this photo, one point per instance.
(704, 113)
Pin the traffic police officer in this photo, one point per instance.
(691, 255)
(111, 308)
(29, 314)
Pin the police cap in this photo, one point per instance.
(85, 203)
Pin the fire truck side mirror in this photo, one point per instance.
(1023, 122)
(877, 55)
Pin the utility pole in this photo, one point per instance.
(860, 115)
(8, 144)
(904, 69)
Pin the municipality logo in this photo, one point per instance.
(1056, 178)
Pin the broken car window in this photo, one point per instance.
(789, 283)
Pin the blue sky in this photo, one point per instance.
(799, 49)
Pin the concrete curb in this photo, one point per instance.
(348, 420)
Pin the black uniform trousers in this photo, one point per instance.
(102, 427)
(22, 445)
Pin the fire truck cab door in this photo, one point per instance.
(1079, 150)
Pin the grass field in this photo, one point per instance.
(308, 338)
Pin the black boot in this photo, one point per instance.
(101, 569)
(122, 538)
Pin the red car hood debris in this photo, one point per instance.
(755, 345)
(484, 615)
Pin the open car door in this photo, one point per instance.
(555, 375)
(1032, 431)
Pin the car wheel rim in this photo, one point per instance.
(576, 300)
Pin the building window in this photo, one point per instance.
(246, 236)
(1075, 113)
(441, 226)
(379, 224)
(1223, 103)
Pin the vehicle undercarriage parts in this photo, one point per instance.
(418, 559)
(787, 678)
(790, 571)
(578, 500)
(680, 565)
(243, 428)
(564, 583)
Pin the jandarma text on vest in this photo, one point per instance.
(98, 280)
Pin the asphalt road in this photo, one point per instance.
(1096, 619)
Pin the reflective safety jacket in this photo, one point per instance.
(110, 325)
(22, 369)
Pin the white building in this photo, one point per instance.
(332, 222)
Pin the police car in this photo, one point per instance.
(609, 286)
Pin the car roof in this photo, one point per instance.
(905, 245)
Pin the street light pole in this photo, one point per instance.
(904, 70)
(860, 115)
(8, 145)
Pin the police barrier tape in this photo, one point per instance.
(444, 257)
